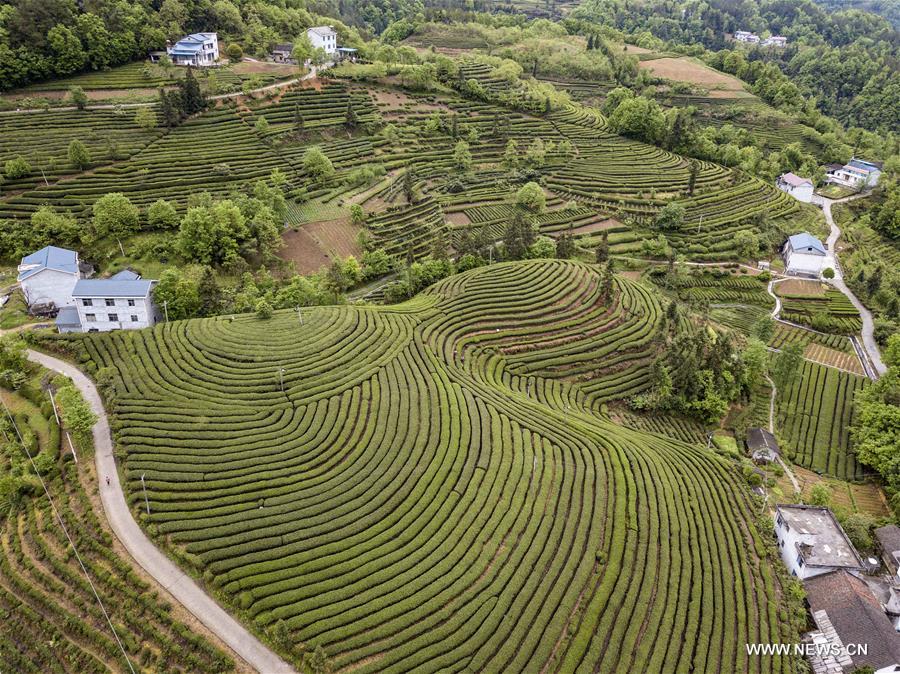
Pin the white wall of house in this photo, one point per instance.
(803, 264)
(50, 285)
(787, 546)
(328, 43)
(103, 314)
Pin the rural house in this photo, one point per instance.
(888, 538)
(775, 41)
(849, 615)
(746, 36)
(283, 53)
(121, 302)
(799, 188)
(856, 173)
(197, 49)
(323, 37)
(812, 542)
(48, 276)
(762, 445)
(804, 255)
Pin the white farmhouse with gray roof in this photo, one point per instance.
(323, 37)
(122, 302)
(48, 276)
(812, 542)
(799, 188)
(804, 255)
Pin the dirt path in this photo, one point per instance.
(784, 466)
(147, 555)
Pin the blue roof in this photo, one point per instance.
(68, 316)
(111, 288)
(804, 240)
(50, 257)
(125, 275)
(862, 164)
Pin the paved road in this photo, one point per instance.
(313, 72)
(868, 323)
(182, 587)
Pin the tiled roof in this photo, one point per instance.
(821, 539)
(324, 31)
(795, 180)
(125, 275)
(889, 537)
(67, 317)
(856, 615)
(111, 288)
(760, 438)
(50, 257)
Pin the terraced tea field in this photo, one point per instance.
(431, 485)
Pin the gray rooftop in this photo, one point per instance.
(112, 288)
(822, 539)
(888, 537)
(68, 317)
(48, 257)
(806, 240)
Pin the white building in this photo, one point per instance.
(804, 255)
(746, 36)
(799, 188)
(122, 302)
(197, 49)
(48, 276)
(812, 542)
(857, 173)
(775, 41)
(323, 37)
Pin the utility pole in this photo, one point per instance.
(166, 307)
(281, 377)
(699, 223)
(144, 487)
(300, 315)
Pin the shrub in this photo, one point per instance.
(828, 273)
(532, 197)
(17, 167)
(79, 156)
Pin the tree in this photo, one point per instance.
(263, 310)
(601, 254)
(316, 165)
(532, 197)
(77, 416)
(787, 364)
(409, 185)
(298, 120)
(536, 153)
(303, 49)
(170, 107)
(114, 215)
(17, 167)
(640, 118)
(820, 495)
(692, 176)
(145, 118)
(756, 362)
(357, 215)
(162, 215)
(261, 126)
(208, 293)
(79, 98)
(747, 244)
(79, 156)
(234, 52)
(763, 329)
(317, 661)
(543, 247)
(462, 158)
(828, 273)
(192, 98)
(177, 294)
(565, 246)
(350, 118)
(670, 217)
(212, 234)
(511, 155)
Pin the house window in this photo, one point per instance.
(90, 318)
(130, 303)
(87, 303)
(110, 303)
(799, 561)
(113, 318)
(134, 318)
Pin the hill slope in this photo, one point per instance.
(430, 488)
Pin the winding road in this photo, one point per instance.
(868, 323)
(145, 553)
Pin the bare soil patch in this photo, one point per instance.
(597, 226)
(303, 250)
(630, 275)
(686, 70)
(458, 218)
(335, 237)
(396, 101)
(800, 287)
(256, 67)
(834, 358)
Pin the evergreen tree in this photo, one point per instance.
(170, 112)
(192, 99)
(408, 182)
(298, 120)
(351, 120)
(209, 292)
(602, 252)
(692, 177)
(590, 44)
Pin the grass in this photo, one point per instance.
(14, 313)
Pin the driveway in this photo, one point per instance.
(868, 322)
(166, 573)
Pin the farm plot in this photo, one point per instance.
(417, 495)
(52, 622)
(814, 416)
(830, 312)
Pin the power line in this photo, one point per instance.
(68, 537)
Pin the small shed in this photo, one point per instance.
(888, 538)
(762, 445)
(283, 53)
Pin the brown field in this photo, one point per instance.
(304, 251)
(688, 70)
(256, 67)
(834, 358)
(459, 218)
(867, 497)
(632, 49)
(800, 287)
(596, 226)
(335, 237)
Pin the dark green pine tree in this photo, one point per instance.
(192, 98)
(590, 44)
(351, 120)
(298, 120)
